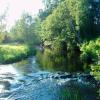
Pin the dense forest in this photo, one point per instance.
(65, 33)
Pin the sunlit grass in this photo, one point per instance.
(12, 53)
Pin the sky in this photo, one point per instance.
(17, 7)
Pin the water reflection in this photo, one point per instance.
(78, 93)
(26, 66)
(11, 73)
(71, 95)
(21, 68)
(58, 62)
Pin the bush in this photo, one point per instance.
(95, 71)
(90, 52)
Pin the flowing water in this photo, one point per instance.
(25, 80)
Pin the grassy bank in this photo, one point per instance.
(13, 53)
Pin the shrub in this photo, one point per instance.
(95, 71)
(90, 52)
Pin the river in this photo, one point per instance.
(25, 80)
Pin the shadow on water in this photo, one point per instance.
(69, 62)
(71, 95)
(77, 92)
(27, 66)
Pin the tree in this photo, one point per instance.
(59, 25)
(50, 5)
(2, 25)
(86, 15)
(24, 30)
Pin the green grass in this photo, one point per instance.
(13, 53)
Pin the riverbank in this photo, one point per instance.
(13, 53)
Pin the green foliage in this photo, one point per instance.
(58, 25)
(95, 71)
(95, 68)
(70, 21)
(50, 5)
(78, 10)
(91, 57)
(85, 14)
(11, 53)
(91, 52)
